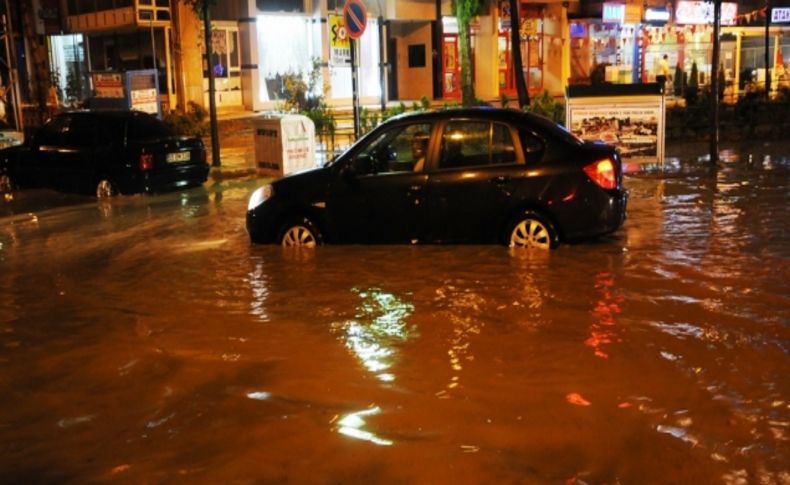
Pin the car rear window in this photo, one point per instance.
(144, 127)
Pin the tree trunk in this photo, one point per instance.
(515, 49)
(465, 48)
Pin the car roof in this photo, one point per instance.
(104, 113)
(486, 112)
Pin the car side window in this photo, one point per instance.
(80, 133)
(465, 144)
(502, 148)
(51, 134)
(533, 145)
(400, 149)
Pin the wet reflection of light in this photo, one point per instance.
(259, 285)
(378, 327)
(465, 308)
(606, 308)
(351, 425)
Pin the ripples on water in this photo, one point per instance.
(146, 340)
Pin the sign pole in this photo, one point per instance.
(354, 88)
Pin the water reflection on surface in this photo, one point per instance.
(150, 343)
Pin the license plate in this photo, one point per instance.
(178, 157)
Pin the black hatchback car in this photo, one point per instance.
(479, 175)
(105, 153)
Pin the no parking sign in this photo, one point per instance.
(355, 17)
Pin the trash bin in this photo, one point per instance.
(284, 144)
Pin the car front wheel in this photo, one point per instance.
(105, 189)
(6, 183)
(300, 232)
(531, 230)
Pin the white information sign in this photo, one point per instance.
(780, 15)
(145, 100)
(634, 124)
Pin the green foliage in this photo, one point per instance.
(546, 105)
(751, 117)
(692, 88)
(198, 6)
(425, 103)
(194, 121)
(394, 111)
(367, 120)
(504, 100)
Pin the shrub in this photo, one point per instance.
(692, 88)
(194, 121)
(546, 105)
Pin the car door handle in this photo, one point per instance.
(500, 180)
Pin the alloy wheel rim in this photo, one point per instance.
(299, 236)
(104, 189)
(530, 233)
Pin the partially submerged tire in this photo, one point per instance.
(6, 183)
(105, 188)
(532, 230)
(300, 232)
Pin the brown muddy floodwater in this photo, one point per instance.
(146, 341)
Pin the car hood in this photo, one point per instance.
(307, 183)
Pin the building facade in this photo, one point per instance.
(409, 49)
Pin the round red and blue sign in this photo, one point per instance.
(355, 16)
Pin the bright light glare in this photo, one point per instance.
(351, 426)
(260, 196)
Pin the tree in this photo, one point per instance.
(465, 11)
(201, 8)
(515, 48)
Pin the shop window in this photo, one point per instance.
(417, 55)
(280, 5)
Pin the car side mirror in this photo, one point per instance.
(362, 164)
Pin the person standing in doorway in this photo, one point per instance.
(663, 72)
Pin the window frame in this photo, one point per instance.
(514, 137)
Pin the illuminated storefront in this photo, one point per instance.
(626, 44)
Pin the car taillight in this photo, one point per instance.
(146, 161)
(602, 173)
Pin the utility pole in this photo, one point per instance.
(9, 63)
(714, 84)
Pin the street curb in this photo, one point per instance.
(219, 174)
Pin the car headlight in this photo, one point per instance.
(261, 195)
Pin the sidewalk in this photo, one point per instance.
(237, 148)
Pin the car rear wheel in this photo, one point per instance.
(6, 183)
(531, 230)
(300, 232)
(105, 188)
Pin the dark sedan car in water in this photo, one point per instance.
(478, 175)
(104, 153)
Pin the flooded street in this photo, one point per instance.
(145, 340)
